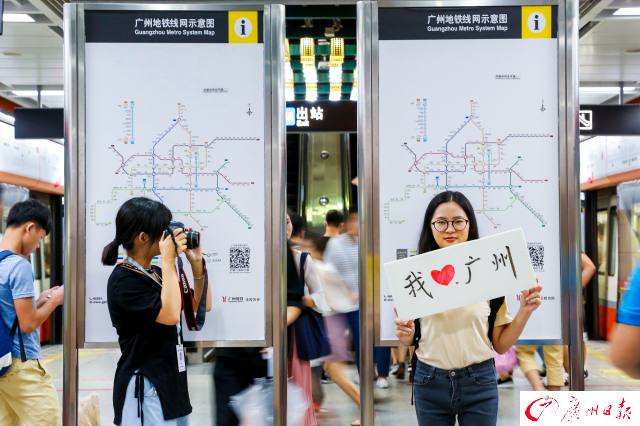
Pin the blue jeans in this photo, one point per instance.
(151, 408)
(381, 355)
(470, 393)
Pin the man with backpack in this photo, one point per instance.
(27, 394)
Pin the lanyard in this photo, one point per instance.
(139, 267)
(195, 320)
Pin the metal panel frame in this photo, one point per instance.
(75, 187)
(79, 212)
(567, 153)
(70, 352)
(278, 228)
(366, 100)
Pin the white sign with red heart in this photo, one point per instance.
(459, 275)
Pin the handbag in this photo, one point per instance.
(310, 333)
(506, 362)
(6, 337)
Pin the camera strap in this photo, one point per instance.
(195, 320)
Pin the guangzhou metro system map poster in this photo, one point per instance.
(175, 111)
(468, 101)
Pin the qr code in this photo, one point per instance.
(536, 253)
(239, 258)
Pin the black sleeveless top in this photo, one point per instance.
(150, 347)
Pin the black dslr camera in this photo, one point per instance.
(193, 237)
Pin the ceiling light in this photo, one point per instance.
(354, 88)
(311, 94)
(627, 11)
(17, 17)
(287, 51)
(335, 91)
(337, 50)
(34, 93)
(606, 89)
(7, 118)
(307, 56)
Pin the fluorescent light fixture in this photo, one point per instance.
(337, 50)
(17, 17)
(311, 94)
(7, 118)
(354, 89)
(287, 51)
(307, 56)
(335, 74)
(607, 89)
(34, 93)
(310, 74)
(627, 11)
(289, 94)
(335, 91)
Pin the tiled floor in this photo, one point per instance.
(393, 407)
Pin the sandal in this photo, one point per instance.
(356, 422)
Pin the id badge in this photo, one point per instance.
(182, 366)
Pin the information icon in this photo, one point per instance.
(243, 27)
(536, 22)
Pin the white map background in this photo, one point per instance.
(183, 124)
(479, 117)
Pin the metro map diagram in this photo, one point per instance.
(193, 176)
(490, 169)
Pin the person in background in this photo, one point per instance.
(145, 305)
(399, 354)
(342, 253)
(27, 393)
(298, 230)
(1, 210)
(340, 299)
(625, 340)
(588, 271)
(334, 224)
(552, 355)
(304, 290)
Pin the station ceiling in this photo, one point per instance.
(31, 53)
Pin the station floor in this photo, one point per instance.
(393, 407)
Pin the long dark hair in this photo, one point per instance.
(136, 215)
(427, 242)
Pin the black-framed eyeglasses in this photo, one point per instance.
(442, 225)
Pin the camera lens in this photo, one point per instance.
(193, 239)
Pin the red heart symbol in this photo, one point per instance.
(444, 276)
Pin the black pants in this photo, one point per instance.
(230, 378)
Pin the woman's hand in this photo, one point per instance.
(405, 330)
(168, 248)
(308, 302)
(530, 299)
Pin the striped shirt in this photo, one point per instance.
(342, 253)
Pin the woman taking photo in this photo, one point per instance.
(150, 385)
(455, 376)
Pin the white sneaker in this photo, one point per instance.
(382, 383)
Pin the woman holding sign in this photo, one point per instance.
(145, 304)
(454, 372)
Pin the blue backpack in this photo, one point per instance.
(6, 339)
